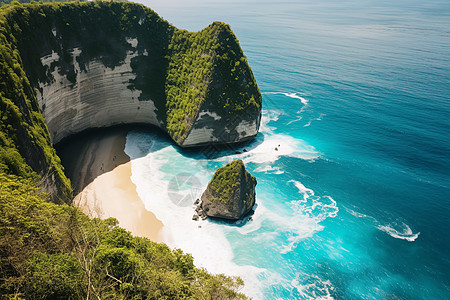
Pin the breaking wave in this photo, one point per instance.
(294, 95)
(399, 231)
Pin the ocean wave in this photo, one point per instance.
(357, 214)
(268, 116)
(295, 95)
(319, 118)
(317, 207)
(399, 231)
(278, 145)
(269, 169)
(295, 120)
(304, 101)
(308, 212)
(295, 228)
(270, 149)
(310, 286)
(270, 146)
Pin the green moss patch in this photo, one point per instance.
(225, 181)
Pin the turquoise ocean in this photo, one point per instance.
(355, 204)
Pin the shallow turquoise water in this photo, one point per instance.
(355, 204)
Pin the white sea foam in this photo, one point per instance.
(296, 120)
(313, 287)
(294, 95)
(319, 118)
(301, 285)
(357, 214)
(268, 116)
(308, 212)
(303, 189)
(273, 147)
(257, 220)
(269, 169)
(305, 103)
(295, 226)
(276, 146)
(318, 207)
(399, 231)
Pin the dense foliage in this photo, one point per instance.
(50, 251)
(234, 90)
(4, 2)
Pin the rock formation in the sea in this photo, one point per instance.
(230, 193)
(68, 67)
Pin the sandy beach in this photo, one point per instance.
(100, 172)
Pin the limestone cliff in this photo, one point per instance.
(230, 193)
(97, 64)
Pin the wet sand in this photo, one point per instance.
(100, 172)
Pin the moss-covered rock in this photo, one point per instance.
(230, 193)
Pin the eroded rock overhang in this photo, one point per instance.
(197, 87)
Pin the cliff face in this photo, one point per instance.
(97, 64)
(100, 97)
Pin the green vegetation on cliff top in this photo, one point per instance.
(208, 64)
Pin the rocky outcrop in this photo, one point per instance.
(210, 128)
(230, 193)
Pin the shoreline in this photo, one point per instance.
(100, 172)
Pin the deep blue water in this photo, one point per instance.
(356, 202)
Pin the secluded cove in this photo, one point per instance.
(100, 173)
(138, 176)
